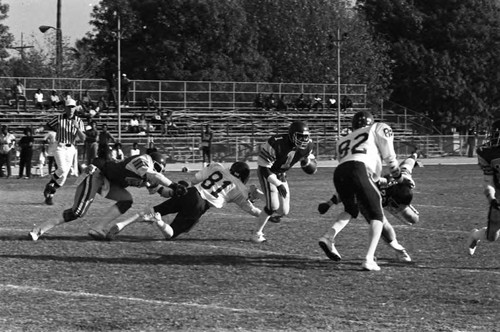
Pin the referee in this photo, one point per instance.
(68, 128)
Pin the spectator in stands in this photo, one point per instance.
(259, 102)
(19, 93)
(345, 103)
(170, 126)
(332, 103)
(104, 139)
(471, 141)
(135, 151)
(144, 126)
(117, 152)
(270, 103)
(111, 79)
(50, 144)
(55, 100)
(102, 105)
(282, 106)
(317, 103)
(7, 144)
(91, 145)
(300, 102)
(158, 121)
(133, 125)
(8, 97)
(150, 102)
(125, 86)
(39, 99)
(87, 101)
(206, 144)
(26, 144)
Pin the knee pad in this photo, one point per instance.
(123, 206)
(69, 215)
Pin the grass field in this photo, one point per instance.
(215, 279)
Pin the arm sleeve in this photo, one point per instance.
(385, 144)
(247, 206)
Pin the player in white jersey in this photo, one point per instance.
(213, 186)
(360, 155)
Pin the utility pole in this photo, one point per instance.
(21, 47)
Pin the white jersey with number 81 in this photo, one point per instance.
(369, 145)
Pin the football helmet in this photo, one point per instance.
(362, 119)
(494, 135)
(241, 170)
(158, 161)
(398, 197)
(299, 134)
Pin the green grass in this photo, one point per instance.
(215, 279)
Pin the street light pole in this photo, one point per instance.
(338, 43)
(119, 92)
(58, 41)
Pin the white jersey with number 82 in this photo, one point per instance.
(369, 145)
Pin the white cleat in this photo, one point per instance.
(164, 227)
(35, 234)
(258, 237)
(329, 249)
(370, 265)
(403, 255)
(472, 242)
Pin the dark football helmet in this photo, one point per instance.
(241, 170)
(299, 134)
(158, 161)
(397, 201)
(362, 119)
(494, 135)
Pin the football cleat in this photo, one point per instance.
(258, 237)
(472, 242)
(403, 255)
(35, 234)
(329, 249)
(275, 219)
(370, 265)
(98, 235)
(49, 200)
(165, 228)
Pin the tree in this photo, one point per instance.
(6, 37)
(445, 53)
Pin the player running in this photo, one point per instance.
(276, 157)
(360, 156)
(213, 186)
(396, 198)
(488, 156)
(110, 179)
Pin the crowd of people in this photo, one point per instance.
(313, 103)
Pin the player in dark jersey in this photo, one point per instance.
(110, 179)
(276, 157)
(488, 156)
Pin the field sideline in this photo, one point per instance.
(215, 279)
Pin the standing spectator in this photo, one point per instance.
(38, 98)
(135, 151)
(105, 139)
(206, 144)
(68, 128)
(55, 100)
(125, 90)
(111, 79)
(7, 144)
(91, 145)
(26, 145)
(471, 142)
(51, 144)
(19, 94)
(276, 157)
(117, 153)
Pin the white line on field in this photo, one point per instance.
(130, 299)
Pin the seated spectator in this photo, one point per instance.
(345, 103)
(102, 105)
(150, 102)
(87, 101)
(317, 103)
(55, 101)
(38, 99)
(300, 102)
(332, 103)
(270, 102)
(8, 97)
(135, 151)
(281, 106)
(259, 101)
(117, 153)
(170, 126)
(157, 121)
(133, 125)
(19, 93)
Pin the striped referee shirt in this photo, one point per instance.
(66, 129)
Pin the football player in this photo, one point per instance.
(276, 157)
(110, 179)
(488, 156)
(360, 156)
(213, 186)
(396, 198)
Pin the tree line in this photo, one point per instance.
(438, 58)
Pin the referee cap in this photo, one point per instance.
(70, 102)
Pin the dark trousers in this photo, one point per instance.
(51, 162)
(25, 162)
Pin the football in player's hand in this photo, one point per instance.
(310, 166)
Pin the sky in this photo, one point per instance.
(25, 16)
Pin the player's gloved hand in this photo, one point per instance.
(325, 206)
(282, 190)
(494, 204)
(179, 189)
